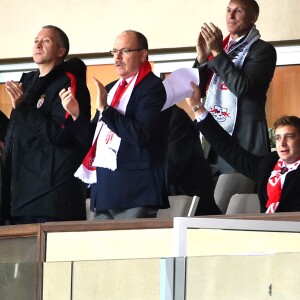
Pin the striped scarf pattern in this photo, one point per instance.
(276, 182)
(221, 102)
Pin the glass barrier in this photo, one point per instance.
(197, 259)
(19, 281)
(18, 249)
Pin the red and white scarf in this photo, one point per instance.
(276, 182)
(221, 102)
(106, 143)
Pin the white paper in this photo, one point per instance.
(178, 85)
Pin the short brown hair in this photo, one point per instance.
(288, 120)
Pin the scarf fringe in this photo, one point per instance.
(110, 155)
(86, 175)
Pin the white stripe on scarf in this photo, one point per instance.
(107, 150)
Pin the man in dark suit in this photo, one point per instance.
(130, 138)
(188, 171)
(235, 76)
(3, 127)
(277, 174)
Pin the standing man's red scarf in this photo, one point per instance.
(87, 171)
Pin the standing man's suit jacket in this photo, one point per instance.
(249, 84)
(258, 168)
(140, 177)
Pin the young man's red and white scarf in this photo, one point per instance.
(106, 143)
(221, 102)
(276, 182)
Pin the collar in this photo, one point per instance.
(237, 40)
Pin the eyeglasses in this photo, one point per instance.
(124, 51)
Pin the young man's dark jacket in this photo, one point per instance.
(258, 168)
(44, 147)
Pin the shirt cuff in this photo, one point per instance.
(202, 116)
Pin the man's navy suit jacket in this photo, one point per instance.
(141, 175)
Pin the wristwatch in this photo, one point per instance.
(198, 106)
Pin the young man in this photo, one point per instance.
(277, 174)
(234, 76)
(43, 145)
(130, 142)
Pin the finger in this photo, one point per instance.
(197, 93)
(205, 26)
(16, 87)
(216, 31)
(206, 34)
(194, 85)
(70, 91)
(10, 86)
(96, 81)
(200, 39)
(99, 84)
(11, 83)
(212, 28)
(204, 31)
(11, 91)
(64, 96)
(195, 88)
(62, 92)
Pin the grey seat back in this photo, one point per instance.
(243, 204)
(230, 184)
(180, 206)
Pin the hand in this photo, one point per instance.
(203, 51)
(15, 91)
(69, 103)
(213, 38)
(195, 100)
(101, 100)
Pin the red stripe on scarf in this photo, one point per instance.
(73, 89)
(145, 69)
(89, 158)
